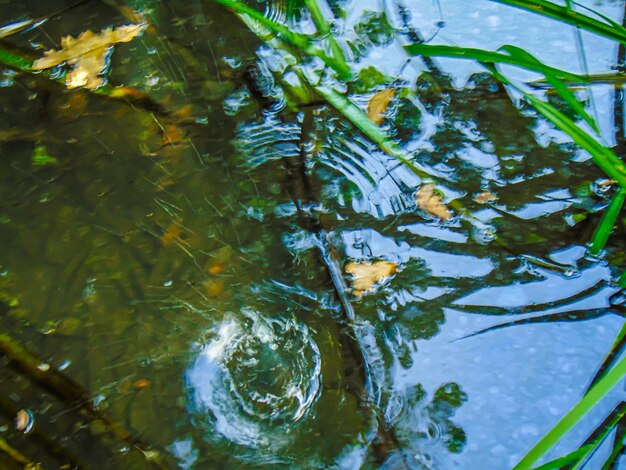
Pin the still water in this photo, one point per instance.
(184, 264)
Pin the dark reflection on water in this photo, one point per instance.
(163, 263)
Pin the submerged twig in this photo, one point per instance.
(67, 390)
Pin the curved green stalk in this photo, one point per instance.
(575, 415)
(552, 10)
(491, 57)
(324, 29)
(298, 40)
(602, 233)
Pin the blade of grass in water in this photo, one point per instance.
(575, 415)
(607, 223)
(324, 28)
(602, 156)
(15, 60)
(578, 457)
(614, 353)
(616, 78)
(489, 56)
(558, 85)
(552, 10)
(569, 459)
(618, 450)
(297, 40)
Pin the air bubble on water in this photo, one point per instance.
(571, 272)
(602, 186)
(484, 234)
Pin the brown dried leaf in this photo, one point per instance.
(24, 421)
(88, 53)
(378, 104)
(366, 275)
(431, 202)
(141, 383)
(485, 197)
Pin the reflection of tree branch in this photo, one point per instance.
(573, 315)
(415, 36)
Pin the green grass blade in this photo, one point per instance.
(297, 40)
(602, 156)
(616, 78)
(600, 434)
(601, 236)
(324, 29)
(357, 117)
(490, 57)
(611, 22)
(552, 10)
(614, 353)
(575, 415)
(560, 87)
(569, 459)
(618, 449)
(15, 61)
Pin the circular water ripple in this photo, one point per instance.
(254, 378)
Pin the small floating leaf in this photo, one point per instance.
(366, 275)
(430, 201)
(378, 104)
(88, 53)
(485, 197)
(24, 421)
(141, 383)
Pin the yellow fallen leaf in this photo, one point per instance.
(431, 202)
(378, 104)
(88, 54)
(485, 197)
(366, 275)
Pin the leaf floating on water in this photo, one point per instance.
(378, 104)
(485, 197)
(172, 235)
(430, 201)
(366, 275)
(141, 383)
(88, 53)
(24, 421)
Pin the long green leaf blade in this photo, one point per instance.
(575, 415)
(559, 86)
(607, 223)
(603, 156)
(490, 57)
(563, 14)
(324, 28)
(297, 40)
(562, 462)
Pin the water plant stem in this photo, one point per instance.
(606, 225)
(591, 399)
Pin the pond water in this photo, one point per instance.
(181, 256)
